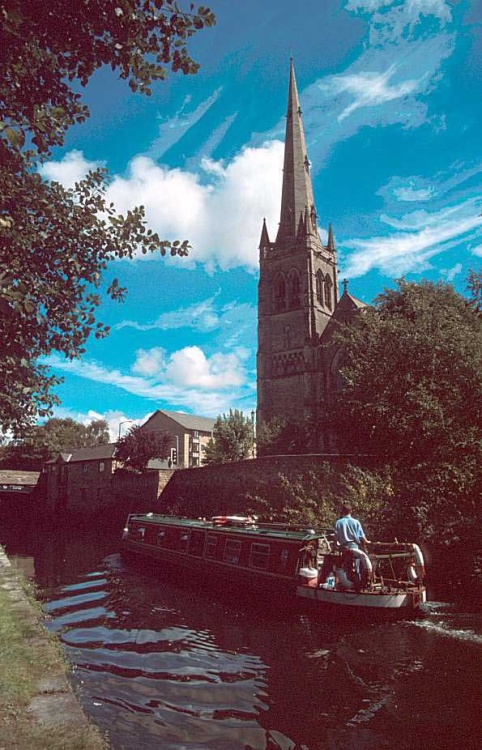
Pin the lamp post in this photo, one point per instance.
(126, 421)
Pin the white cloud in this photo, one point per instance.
(71, 169)
(410, 194)
(186, 379)
(150, 362)
(221, 216)
(370, 6)
(173, 129)
(405, 251)
(400, 64)
(201, 316)
(371, 89)
(451, 273)
(477, 250)
(233, 322)
(412, 8)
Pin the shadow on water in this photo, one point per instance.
(174, 664)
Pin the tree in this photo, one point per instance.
(55, 243)
(138, 446)
(412, 397)
(232, 440)
(278, 437)
(413, 377)
(44, 442)
(474, 286)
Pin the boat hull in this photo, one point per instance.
(302, 563)
(374, 600)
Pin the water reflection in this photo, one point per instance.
(165, 664)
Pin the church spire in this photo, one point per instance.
(264, 241)
(331, 240)
(297, 194)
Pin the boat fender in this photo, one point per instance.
(419, 562)
(412, 574)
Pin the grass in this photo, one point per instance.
(22, 666)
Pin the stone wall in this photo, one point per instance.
(222, 489)
(105, 497)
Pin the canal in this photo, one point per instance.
(162, 663)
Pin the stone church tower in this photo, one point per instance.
(297, 292)
(298, 307)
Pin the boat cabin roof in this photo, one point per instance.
(237, 525)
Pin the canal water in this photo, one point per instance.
(168, 664)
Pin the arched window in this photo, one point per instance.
(279, 292)
(319, 286)
(294, 288)
(328, 291)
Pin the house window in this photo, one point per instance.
(184, 541)
(259, 555)
(101, 465)
(85, 467)
(232, 551)
(211, 545)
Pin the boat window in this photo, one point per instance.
(211, 545)
(259, 555)
(161, 536)
(196, 544)
(232, 551)
(283, 559)
(184, 541)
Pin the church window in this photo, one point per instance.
(294, 289)
(319, 286)
(287, 337)
(328, 288)
(279, 293)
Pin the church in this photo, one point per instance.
(298, 302)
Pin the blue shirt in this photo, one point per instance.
(349, 532)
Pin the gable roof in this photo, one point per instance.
(188, 421)
(91, 453)
(349, 302)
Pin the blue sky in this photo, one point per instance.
(391, 94)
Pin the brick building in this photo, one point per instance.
(80, 478)
(190, 435)
(298, 302)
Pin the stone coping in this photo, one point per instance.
(55, 702)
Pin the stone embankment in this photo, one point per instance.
(52, 706)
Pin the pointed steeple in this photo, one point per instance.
(297, 193)
(264, 241)
(331, 240)
(301, 233)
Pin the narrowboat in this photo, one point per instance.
(305, 563)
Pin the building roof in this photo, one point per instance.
(188, 421)
(10, 476)
(91, 453)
